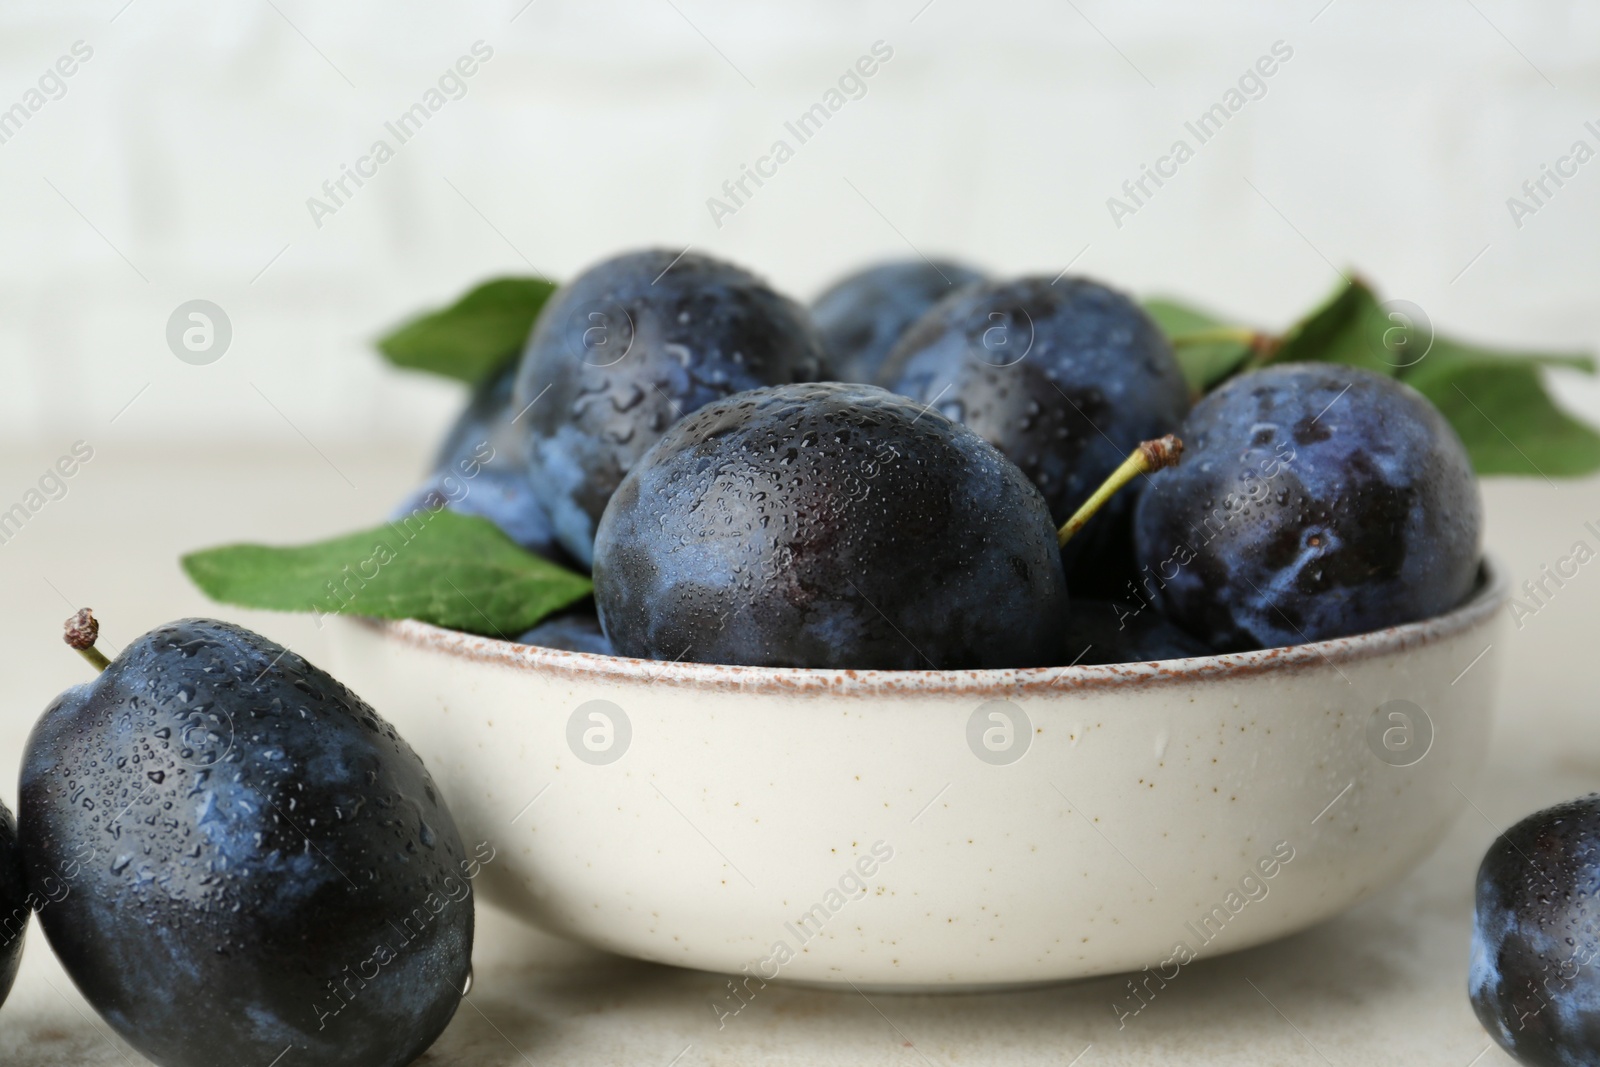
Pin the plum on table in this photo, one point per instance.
(629, 347)
(1316, 501)
(863, 314)
(1534, 981)
(260, 866)
(15, 905)
(829, 525)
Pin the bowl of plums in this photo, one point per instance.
(953, 632)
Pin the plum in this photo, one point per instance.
(1105, 631)
(1064, 376)
(1316, 501)
(629, 347)
(577, 632)
(15, 904)
(260, 867)
(1535, 976)
(829, 525)
(480, 469)
(863, 315)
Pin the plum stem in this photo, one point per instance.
(1149, 456)
(81, 632)
(1213, 335)
(1262, 346)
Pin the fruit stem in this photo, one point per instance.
(1149, 456)
(1261, 345)
(1214, 335)
(81, 632)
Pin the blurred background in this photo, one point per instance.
(178, 161)
(194, 152)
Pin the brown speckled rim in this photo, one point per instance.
(1489, 596)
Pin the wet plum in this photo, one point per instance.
(260, 867)
(864, 314)
(1316, 501)
(829, 525)
(628, 348)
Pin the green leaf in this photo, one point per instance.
(1353, 328)
(458, 571)
(1498, 404)
(1176, 318)
(1496, 400)
(475, 336)
(1208, 349)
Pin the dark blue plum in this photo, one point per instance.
(1105, 631)
(862, 315)
(579, 632)
(258, 866)
(1065, 377)
(15, 904)
(487, 419)
(480, 469)
(829, 525)
(501, 495)
(1313, 501)
(628, 348)
(1535, 977)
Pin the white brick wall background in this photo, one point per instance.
(178, 164)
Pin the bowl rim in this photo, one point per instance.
(1488, 596)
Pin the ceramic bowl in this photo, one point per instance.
(942, 829)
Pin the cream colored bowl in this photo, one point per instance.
(942, 829)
